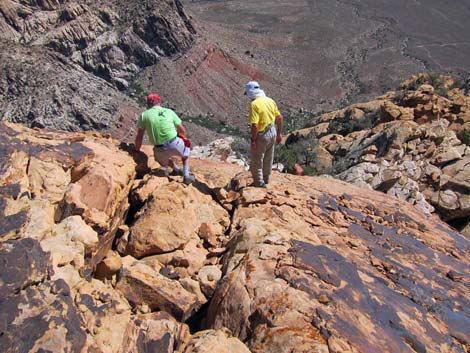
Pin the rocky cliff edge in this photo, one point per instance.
(412, 143)
(99, 253)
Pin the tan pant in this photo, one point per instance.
(262, 158)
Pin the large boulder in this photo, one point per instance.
(144, 286)
(172, 217)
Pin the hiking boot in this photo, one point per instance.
(261, 184)
(188, 179)
(176, 171)
(160, 172)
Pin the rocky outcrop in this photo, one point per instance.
(199, 212)
(306, 264)
(319, 265)
(405, 144)
(65, 62)
(213, 341)
(220, 150)
(65, 205)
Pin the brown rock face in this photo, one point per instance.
(64, 201)
(305, 265)
(143, 286)
(170, 218)
(48, 313)
(319, 265)
(156, 332)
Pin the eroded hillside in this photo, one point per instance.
(71, 64)
(81, 65)
(321, 55)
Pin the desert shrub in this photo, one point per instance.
(438, 81)
(419, 81)
(241, 147)
(464, 136)
(300, 152)
(347, 124)
(309, 170)
(212, 124)
(295, 120)
(462, 84)
(399, 96)
(435, 79)
(430, 77)
(442, 91)
(137, 92)
(285, 155)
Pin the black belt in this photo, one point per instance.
(166, 143)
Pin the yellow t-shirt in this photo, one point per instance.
(263, 111)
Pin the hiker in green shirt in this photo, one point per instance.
(164, 129)
(266, 130)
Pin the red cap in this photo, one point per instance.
(153, 98)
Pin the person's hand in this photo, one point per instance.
(279, 138)
(253, 146)
(134, 153)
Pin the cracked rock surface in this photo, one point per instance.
(309, 264)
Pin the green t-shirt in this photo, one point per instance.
(160, 124)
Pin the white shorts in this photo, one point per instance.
(172, 148)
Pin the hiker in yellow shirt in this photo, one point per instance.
(266, 130)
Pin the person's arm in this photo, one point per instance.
(254, 135)
(279, 124)
(138, 139)
(181, 129)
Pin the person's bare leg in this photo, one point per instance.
(173, 166)
(187, 178)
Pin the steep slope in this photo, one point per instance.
(309, 55)
(98, 253)
(82, 49)
(322, 55)
(42, 88)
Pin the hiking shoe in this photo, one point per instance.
(188, 179)
(176, 171)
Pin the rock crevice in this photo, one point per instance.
(307, 264)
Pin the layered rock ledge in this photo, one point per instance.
(410, 143)
(99, 253)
